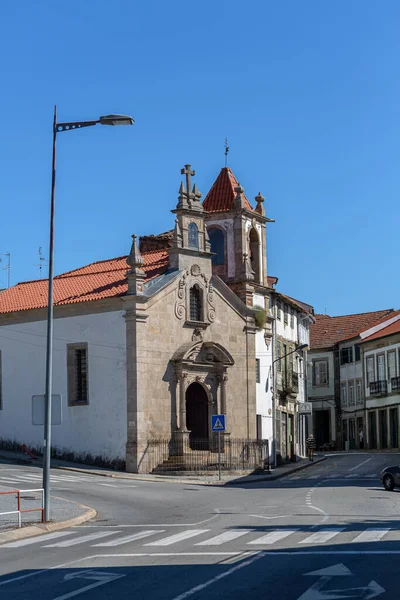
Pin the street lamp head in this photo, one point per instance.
(302, 347)
(116, 120)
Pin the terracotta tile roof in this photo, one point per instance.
(222, 193)
(99, 280)
(388, 330)
(301, 306)
(327, 331)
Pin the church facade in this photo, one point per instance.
(149, 346)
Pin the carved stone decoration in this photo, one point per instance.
(195, 270)
(197, 335)
(180, 304)
(210, 303)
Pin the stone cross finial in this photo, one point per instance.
(189, 174)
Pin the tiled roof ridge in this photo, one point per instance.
(387, 310)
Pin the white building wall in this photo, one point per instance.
(263, 389)
(98, 428)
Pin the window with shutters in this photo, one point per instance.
(278, 357)
(320, 372)
(351, 394)
(195, 304)
(358, 391)
(370, 370)
(258, 374)
(278, 311)
(391, 358)
(285, 314)
(380, 362)
(357, 352)
(292, 318)
(343, 394)
(78, 376)
(346, 355)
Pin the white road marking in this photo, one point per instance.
(200, 587)
(222, 538)
(109, 485)
(82, 539)
(273, 537)
(320, 537)
(371, 535)
(178, 537)
(37, 539)
(360, 464)
(267, 517)
(128, 538)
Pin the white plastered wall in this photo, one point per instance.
(98, 428)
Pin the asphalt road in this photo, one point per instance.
(327, 532)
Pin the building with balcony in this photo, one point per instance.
(335, 377)
(291, 330)
(380, 355)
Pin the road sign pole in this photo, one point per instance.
(219, 455)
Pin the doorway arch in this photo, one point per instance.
(197, 416)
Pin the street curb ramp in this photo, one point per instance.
(37, 530)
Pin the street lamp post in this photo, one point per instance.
(57, 128)
(297, 349)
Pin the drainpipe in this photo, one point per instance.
(247, 382)
(273, 448)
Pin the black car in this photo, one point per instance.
(390, 478)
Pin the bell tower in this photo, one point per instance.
(190, 233)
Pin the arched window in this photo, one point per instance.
(254, 246)
(217, 241)
(195, 303)
(193, 236)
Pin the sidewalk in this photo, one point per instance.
(181, 477)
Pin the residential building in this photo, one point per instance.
(380, 355)
(334, 375)
(291, 330)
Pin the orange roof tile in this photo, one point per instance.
(388, 330)
(327, 331)
(222, 193)
(99, 280)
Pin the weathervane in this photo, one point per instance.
(226, 152)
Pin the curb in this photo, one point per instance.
(278, 475)
(36, 530)
(174, 479)
(238, 481)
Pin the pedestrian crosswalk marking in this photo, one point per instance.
(82, 539)
(273, 537)
(222, 538)
(322, 536)
(37, 539)
(371, 535)
(128, 538)
(178, 537)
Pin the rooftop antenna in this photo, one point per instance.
(41, 261)
(7, 267)
(226, 152)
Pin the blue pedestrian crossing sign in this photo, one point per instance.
(218, 422)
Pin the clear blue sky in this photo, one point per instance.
(308, 94)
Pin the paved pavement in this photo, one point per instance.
(326, 532)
